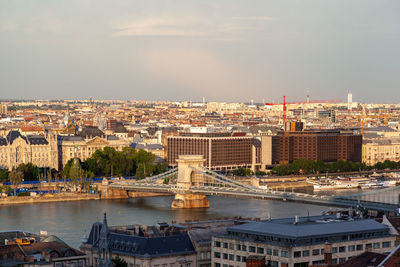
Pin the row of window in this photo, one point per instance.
(342, 249)
(296, 254)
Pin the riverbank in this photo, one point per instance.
(47, 198)
(63, 197)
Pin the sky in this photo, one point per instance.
(182, 50)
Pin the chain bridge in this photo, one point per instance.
(191, 182)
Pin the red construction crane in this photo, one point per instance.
(299, 102)
(284, 108)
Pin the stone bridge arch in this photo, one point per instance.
(184, 181)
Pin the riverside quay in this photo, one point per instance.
(301, 241)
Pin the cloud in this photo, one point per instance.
(158, 27)
(221, 28)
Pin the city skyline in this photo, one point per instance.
(224, 51)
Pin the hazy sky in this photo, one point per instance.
(227, 50)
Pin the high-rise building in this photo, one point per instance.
(349, 101)
(3, 108)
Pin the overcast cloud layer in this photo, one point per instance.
(183, 50)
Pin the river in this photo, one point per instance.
(72, 220)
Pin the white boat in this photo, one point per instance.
(337, 185)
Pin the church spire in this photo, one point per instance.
(105, 255)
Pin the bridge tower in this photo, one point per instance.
(185, 199)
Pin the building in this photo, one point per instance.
(294, 126)
(85, 144)
(379, 150)
(3, 108)
(138, 245)
(156, 149)
(222, 151)
(380, 144)
(327, 146)
(16, 148)
(19, 248)
(301, 241)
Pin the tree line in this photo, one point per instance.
(304, 166)
(110, 162)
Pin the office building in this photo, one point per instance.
(301, 241)
(221, 151)
(327, 146)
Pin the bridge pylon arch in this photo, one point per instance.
(185, 199)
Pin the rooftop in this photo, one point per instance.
(309, 227)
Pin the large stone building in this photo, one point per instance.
(327, 146)
(379, 150)
(304, 241)
(86, 143)
(16, 148)
(380, 144)
(140, 246)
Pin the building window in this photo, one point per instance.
(285, 253)
(377, 245)
(351, 248)
(260, 250)
(217, 244)
(217, 255)
(342, 249)
(359, 247)
(217, 264)
(315, 252)
(244, 248)
(297, 254)
(386, 244)
(334, 250)
(244, 259)
(252, 249)
(231, 257)
(231, 246)
(225, 256)
(334, 261)
(369, 245)
(238, 258)
(225, 245)
(238, 247)
(276, 252)
(269, 251)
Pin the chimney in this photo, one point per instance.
(328, 253)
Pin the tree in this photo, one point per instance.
(29, 171)
(242, 172)
(3, 175)
(16, 177)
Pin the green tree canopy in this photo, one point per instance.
(30, 171)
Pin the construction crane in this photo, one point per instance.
(284, 108)
(284, 103)
(365, 116)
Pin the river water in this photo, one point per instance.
(72, 220)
